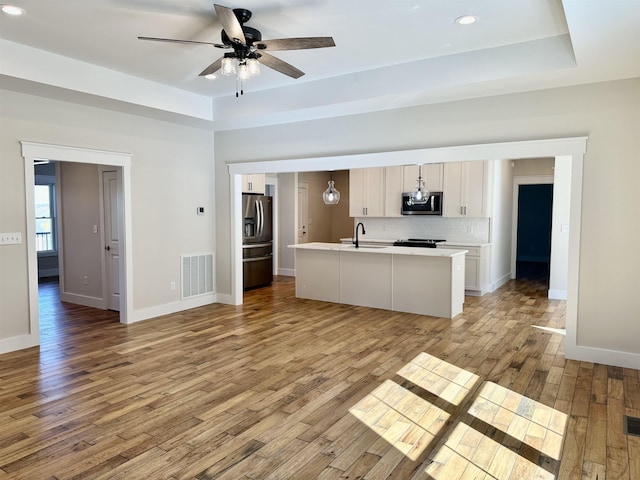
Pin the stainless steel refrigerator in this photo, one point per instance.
(257, 242)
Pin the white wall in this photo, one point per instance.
(287, 189)
(559, 236)
(501, 201)
(608, 112)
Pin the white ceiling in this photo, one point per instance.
(388, 52)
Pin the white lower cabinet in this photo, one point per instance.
(476, 267)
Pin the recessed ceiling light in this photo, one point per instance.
(466, 20)
(12, 10)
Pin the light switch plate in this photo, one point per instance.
(10, 238)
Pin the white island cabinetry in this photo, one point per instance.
(415, 280)
(476, 270)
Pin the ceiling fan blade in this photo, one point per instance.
(230, 24)
(280, 65)
(214, 67)
(173, 40)
(295, 43)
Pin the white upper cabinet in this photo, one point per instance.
(366, 192)
(393, 186)
(432, 174)
(464, 189)
(254, 183)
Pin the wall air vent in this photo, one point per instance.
(197, 274)
(631, 425)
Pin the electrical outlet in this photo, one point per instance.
(10, 238)
(86, 280)
(172, 286)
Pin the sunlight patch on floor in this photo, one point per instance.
(405, 417)
(561, 331)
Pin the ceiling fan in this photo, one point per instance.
(249, 50)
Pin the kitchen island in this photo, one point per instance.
(427, 281)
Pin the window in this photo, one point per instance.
(45, 218)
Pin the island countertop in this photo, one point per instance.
(379, 249)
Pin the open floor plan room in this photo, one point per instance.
(287, 388)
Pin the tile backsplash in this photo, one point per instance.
(446, 228)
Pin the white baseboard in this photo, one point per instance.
(603, 356)
(20, 342)
(85, 300)
(557, 294)
(287, 272)
(173, 307)
(500, 282)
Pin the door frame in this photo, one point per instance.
(42, 151)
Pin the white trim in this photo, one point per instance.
(498, 283)
(517, 181)
(287, 272)
(557, 294)
(32, 151)
(605, 357)
(20, 342)
(85, 300)
(574, 147)
(235, 202)
(485, 151)
(173, 307)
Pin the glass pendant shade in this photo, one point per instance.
(331, 196)
(253, 66)
(228, 66)
(243, 72)
(419, 195)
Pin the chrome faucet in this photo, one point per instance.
(356, 241)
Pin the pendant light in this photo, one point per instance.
(331, 196)
(419, 195)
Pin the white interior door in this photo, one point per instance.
(112, 239)
(303, 213)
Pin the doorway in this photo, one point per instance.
(533, 244)
(38, 151)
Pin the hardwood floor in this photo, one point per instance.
(297, 389)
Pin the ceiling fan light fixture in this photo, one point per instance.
(228, 66)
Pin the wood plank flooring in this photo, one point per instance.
(282, 388)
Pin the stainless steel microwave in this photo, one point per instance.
(433, 206)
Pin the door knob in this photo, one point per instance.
(107, 248)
